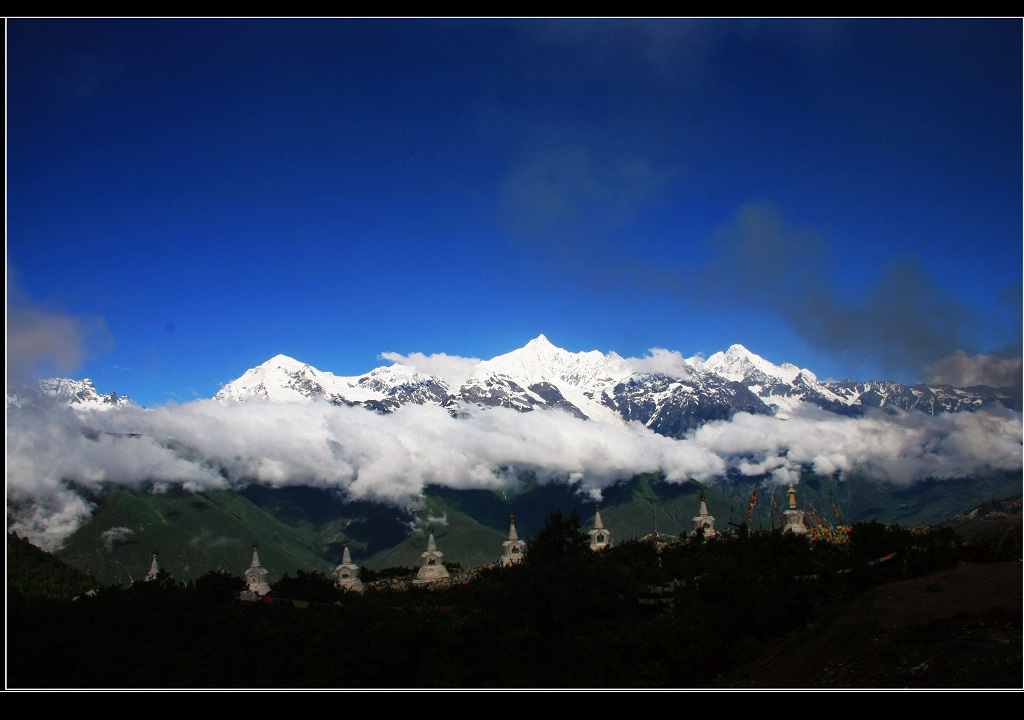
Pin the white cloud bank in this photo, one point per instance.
(660, 361)
(453, 369)
(391, 458)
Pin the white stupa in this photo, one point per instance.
(794, 517)
(703, 520)
(599, 537)
(154, 569)
(347, 573)
(513, 548)
(256, 575)
(432, 568)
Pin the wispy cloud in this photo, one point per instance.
(115, 535)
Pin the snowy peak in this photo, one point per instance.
(280, 379)
(541, 342)
(540, 361)
(77, 394)
(284, 379)
(284, 362)
(738, 364)
(540, 375)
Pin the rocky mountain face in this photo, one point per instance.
(608, 388)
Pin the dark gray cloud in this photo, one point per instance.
(904, 321)
(963, 370)
(43, 341)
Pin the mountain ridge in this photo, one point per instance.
(671, 399)
(609, 388)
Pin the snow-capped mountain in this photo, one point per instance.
(283, 379)
(738, 364)
(77, 394)
(540, 375)
(589, 385)
(606, 388)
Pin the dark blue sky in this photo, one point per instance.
(187, 198)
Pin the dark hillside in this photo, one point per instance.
(954, 628)
(35, 574)
(958, 628)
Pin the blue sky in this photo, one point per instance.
(186, 199)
